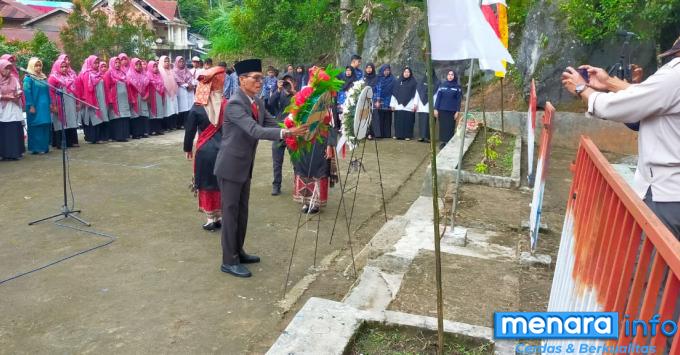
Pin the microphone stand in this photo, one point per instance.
(66, 211)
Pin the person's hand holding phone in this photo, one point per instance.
(597, 77)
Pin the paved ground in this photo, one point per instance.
(158, 288)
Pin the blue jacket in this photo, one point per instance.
(383, 89)
(268, 87)
(448, 97)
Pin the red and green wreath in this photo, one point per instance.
(311, 106)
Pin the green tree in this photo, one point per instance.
(595, 20)
(40, 46)
(290, 30)
(93, 32)
(193, 11)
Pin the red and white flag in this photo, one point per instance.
(459, 30)
(531, 128)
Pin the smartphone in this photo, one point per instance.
(584, 74)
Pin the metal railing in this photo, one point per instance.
(615, 255)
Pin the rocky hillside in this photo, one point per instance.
(542, 48)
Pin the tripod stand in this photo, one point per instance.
(66, 211)
(622, 68)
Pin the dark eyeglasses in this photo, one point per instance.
(256, 77)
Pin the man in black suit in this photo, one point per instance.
(245, 122)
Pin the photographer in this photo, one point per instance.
(285, 89)
(655, 103)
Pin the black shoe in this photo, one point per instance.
(420, 140)
(305, 208)
(248, 259)
(210, 226)
(313, 210)
(218, 224)
(276, 190)
(237, 270)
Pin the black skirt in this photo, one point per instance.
(71, 138)
(120, 129)
(205, 158)
(11, 140)
(138, 127)
(423, 125)
(403, 124)
(381, 123)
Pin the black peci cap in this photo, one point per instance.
(248, 66)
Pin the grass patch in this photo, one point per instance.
(376, 339)
(503, 157)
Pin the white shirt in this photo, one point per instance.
(655, 103)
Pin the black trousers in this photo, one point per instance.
(447, 126)
(668, 213)
(278, 153)
(235, 197)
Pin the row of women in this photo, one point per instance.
(398, 101)
(112, 101)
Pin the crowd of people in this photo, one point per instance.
(130, 98)
(124, 98)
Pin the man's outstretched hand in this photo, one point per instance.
(298, 131)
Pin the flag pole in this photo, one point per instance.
(435, 188)
(462, 145)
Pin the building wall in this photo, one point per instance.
(53, 23)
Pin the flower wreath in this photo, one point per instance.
(349, 108)
(311, 106)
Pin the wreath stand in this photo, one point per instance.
(362, 120)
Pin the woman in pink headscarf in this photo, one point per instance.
(87, 82)
(185, 93)
(11, 114)
(105, 127)
(117, 100)
(124, 62)
(157, 98)
(66, 115)
(138, 92)
(171, 105)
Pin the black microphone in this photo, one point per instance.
(624, 33)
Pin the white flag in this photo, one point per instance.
(458, 31)
(491, 2)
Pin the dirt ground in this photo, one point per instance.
(158, 288)
(467, 294)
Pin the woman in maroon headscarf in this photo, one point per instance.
(11, 114)
(117, 100)
(185, 92)
(156, 98)
(66, 115)
(138, 92)
(87, 82)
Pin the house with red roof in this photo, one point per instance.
(163, 16)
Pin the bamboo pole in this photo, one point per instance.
(462, 145)
(435, 193)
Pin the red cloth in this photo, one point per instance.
(209, 132)
(209, 200)
(304, 191)
(491, 18)
(256, 112)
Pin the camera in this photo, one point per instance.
(584, 74)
